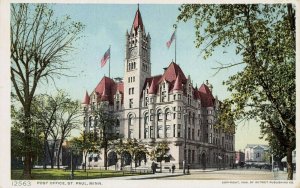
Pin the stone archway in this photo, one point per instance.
(126, 158)
(112, 158)
(141, 159)
(203, 160)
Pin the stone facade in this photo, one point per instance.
(162, 107)
(255, 152)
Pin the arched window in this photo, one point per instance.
(189, 117)
(146, 119)
(159, 115)
(130, 119)
(168, 115)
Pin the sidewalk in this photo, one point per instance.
(282, 175)
(163, 174)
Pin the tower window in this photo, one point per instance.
(130, 103)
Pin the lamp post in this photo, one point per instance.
(72, 170)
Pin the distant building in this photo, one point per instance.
(255, 152)
(239, 157)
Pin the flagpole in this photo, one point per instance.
(175, 26)
(109, 62)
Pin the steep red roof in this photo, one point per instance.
(171, 73)
(178, 84)
(104, 96)
(138, 21)
(152, 89)
(86, 99)
(149, 81)
(207, 99)
(107, 88)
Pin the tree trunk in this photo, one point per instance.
(85, 161)
(105, 156)
(28, 146)
(289, 162)
(45, 153)
(58, 153)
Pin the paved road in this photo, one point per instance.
(231, 174)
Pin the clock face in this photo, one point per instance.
(133, 52)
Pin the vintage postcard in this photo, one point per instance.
(111, 94)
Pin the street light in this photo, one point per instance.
(72, 170)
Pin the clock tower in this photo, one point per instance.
(137, 62)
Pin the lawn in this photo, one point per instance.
(59, 174)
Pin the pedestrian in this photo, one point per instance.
(153, 166)
(173, 168)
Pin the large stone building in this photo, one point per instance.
(152, 108)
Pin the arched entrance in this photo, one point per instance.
(140, 158)
(203, 161)
(112, 158)
(125, 158)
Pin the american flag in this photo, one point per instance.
(105, 57)
(171, 40)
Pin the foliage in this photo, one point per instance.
(56, 116)
(104, 121)
(160, 149)
(133, 147)
(264, 35)
(40, 44)
(59, 174)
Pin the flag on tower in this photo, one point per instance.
(105, 57)
(171, 40)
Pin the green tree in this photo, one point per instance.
(133, 147)
(106, 122)
(264, 36)
(159, 151)
(40, 44)
(85, 144)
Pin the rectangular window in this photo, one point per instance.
(132, 90)
(151, 132)
(160, 132)
(133, 78)
(168, 131)
(193, 156)
(129, 91)
(128, 79)
(130, 103)
(174, 108)
(189, 133)
(174, 130)
(178, 130)
(151, 117)
(179, 96)
(179, 108)
(179, 115)
(193, 134)
(174, 115)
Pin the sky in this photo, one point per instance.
(106, 25)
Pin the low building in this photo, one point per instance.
(239, 157)
(256, 152)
